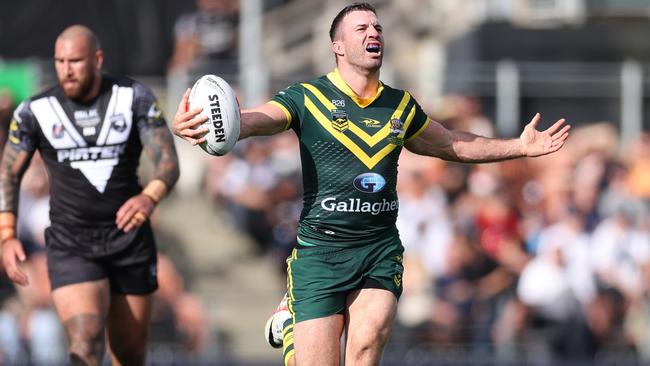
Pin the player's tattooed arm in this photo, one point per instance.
(12, 167)
(158, 144)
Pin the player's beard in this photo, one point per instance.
(82, 88)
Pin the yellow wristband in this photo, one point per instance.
(7, 219)
(7, 226)
(7, 233)
(156, 190)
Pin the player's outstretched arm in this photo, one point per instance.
(12, 167)
(265, 120)
(466, 147)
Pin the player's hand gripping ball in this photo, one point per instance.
(220, 105)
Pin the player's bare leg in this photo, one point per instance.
(317, 341)
(128, 328)
(369, 320)
(82, 309)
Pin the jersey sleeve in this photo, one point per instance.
(418, 123)
(291, 100)
(23, 129)
(146, 112)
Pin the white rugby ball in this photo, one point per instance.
(220, 105)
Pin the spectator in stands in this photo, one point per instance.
(205, 41)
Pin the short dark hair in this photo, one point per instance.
(345, 11)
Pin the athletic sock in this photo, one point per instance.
(287, 341)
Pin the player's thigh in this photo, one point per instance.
(317, 341)
(83, 299)
(370, 317)
(79, 285)
(128, 319)
(319, 279)
(133, 279)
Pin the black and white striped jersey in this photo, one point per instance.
(91, 150)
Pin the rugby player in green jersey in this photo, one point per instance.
(345, 272)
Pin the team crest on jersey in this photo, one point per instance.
(340, 120)
(396, 132)
(118, 122)
(58, 130)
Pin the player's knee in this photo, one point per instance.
(85, 339)
(369, 342)
(130, 350)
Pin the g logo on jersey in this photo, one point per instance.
(369, 182)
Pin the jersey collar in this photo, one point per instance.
(336, 79)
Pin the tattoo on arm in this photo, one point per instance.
(158, 144)
(13, 166)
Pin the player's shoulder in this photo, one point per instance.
(397, 95)
(24, 107)
(121, 81)
(393, 91)
(320, 82)
(52, 91)
(139, 88)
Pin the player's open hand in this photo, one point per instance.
(13, 255)
(185, 123)
(536, 143)
(134, 212)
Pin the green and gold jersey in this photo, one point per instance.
(349, 149)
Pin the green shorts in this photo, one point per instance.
(320, 278)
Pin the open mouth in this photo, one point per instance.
(373, 48)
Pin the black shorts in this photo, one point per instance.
(128, 260)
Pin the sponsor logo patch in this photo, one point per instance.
(332, 204)
(369, 182)
(86, 118)
(369, 122)
(398, 280)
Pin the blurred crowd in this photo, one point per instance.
(542, 257)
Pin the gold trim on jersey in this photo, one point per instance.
(371, 140)
(285, 110)
(418, 132)
(336, 79)
(294, 256)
